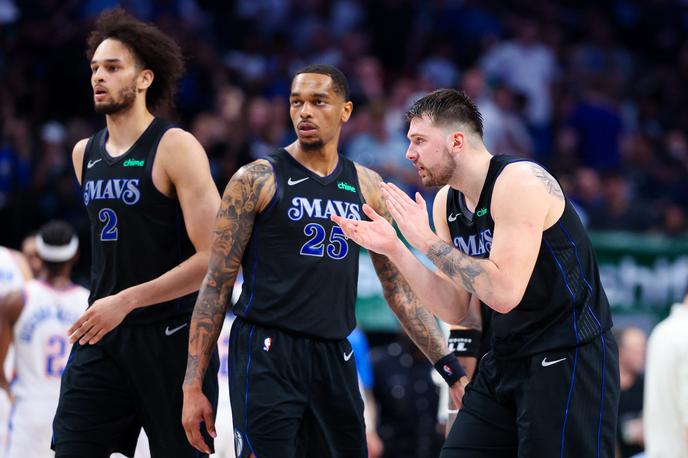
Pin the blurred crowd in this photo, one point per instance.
(592, 89)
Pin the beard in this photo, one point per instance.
(314, 145)
(442, 174)
(127, 96)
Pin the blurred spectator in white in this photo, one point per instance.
(528, 66)
(665, 409)
(631, 342)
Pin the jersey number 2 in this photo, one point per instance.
(57, 347)
(337, 248)
(109, 231)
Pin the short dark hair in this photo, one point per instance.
(339, 81)
(152, 49)
(446, 106)
(56, 233)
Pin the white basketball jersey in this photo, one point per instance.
(40, 338)
(11, 276)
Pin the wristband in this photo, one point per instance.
(449, 368)
(465, 342)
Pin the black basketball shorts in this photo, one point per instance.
(561, 404)
(293, 396)
(131, 379)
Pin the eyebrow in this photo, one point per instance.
(321, 95)
(414, 134)
(110, 61)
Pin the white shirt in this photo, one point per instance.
(665, 409)
(528, 69)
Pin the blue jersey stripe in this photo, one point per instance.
(599, 325)
(575, 358)
(248, 368)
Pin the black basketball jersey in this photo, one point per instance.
(137, 233)
(564, 304)
(300, 271)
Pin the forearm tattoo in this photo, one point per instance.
(548, 180)
(233, 228)
(416, 320)
(456, 265)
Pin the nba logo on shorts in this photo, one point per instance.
(447, 369)
(267, 343)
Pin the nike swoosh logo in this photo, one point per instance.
(92, 163)
(291, 182)
(452, 217)
(546, 363)
(169, 332)
(348, 357)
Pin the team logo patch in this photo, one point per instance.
(267, 343)
(447, 369)
(238, 442)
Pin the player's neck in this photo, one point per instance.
(321, 161)
(56, 281)
(125, 128)
(471, 174)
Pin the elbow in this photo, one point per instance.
(451, 318)
(506, 301)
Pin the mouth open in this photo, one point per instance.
(99, 94)
(307, 128)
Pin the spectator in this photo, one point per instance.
(665, 407)
(631, 342)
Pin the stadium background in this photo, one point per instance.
(595, 90)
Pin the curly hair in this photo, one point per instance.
(152, 49)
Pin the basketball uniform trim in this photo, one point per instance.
(277, 196)
(253, 244)
(248, 369)
(575, 358)
(599, 325)
(150, 160)
(265, 214)
(601, 408)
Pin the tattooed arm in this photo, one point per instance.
(526, 201)
(418, 322)
(246, 195)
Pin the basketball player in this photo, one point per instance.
(151, 201)
(507, 235)
(292, 375)
(38, 316)
(14, 272)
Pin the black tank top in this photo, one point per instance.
(137, 233)
(564, 304)
(300, 271)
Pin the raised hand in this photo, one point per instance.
(376, 235)
(411, 216)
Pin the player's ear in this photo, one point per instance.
(347, 108)
(145, 78)
(456, 140)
